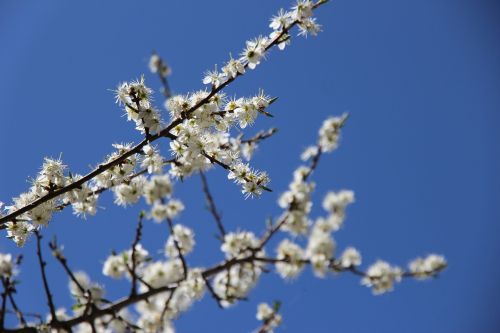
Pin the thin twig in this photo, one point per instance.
(10, 290)
(137, 239)
(178, 248)
(211, 206)
(42, 264)
(4, 305)
(214, 295)
(261, 136)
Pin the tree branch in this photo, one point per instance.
(211, 206)
(42, 264)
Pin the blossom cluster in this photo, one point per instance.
(235, 283)
(136, 98)
(204, 138)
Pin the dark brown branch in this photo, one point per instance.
(57, 253)
(260, 136)
(178, 248)
(212, 292)
(9, 287)
(42, 264)
(211, 206)
(137, 239)
(4, 306)
(167, 303)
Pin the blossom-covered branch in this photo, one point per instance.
(202, 131)
(196, 130)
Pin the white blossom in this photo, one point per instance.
(381, 277)
(282, 20)
(293, 259)
(309, 27)
(163, 273)
(214, 78)
(6, 265)
(239, 244)
(126, 194)
(157, 187)
(233, 68)
(90, 289)
(423, 268)
(350, 258)
(329, 133)
(161, 211)
(114, 267)
(254, 51)
(184, 237)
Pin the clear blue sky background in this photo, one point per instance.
(420, 78)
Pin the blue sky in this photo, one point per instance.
(420, 79)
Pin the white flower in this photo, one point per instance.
(177, 104)
(247, 150)
(335, 203)
(233, 68)
(269, 316)
(254, 51)
(245, 112)
(297, 201)
(239, 244)
(423, 268)
(154, 63)
(185, 240)
(281, 20)
(237, 283)
(137, 100)
(309, 27)
(157, 65)
(171, 209)
(350, 258)
(303, 9)
(163, 273)
(6, 265)
(329, 132)
(152, 160)
(264, 311)
(158, 187)
(140, 255)
(126, 194)
(381, 277)
(52, 174)
(114, 267)
(293, 259)
(309, 153)
(19, 231)
(96, 291)
(214, 78)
